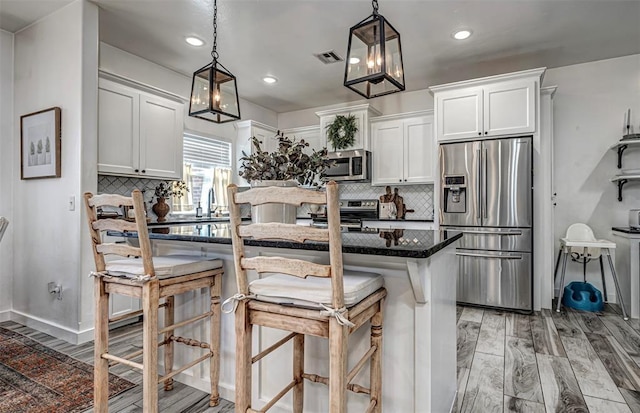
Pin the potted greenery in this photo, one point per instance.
(288, 165)
(47, 151)
(40, 155)
(163, 191)
(32, 154)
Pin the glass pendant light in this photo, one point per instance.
(374, 57)
(214, 93)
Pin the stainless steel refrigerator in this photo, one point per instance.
(487, 194)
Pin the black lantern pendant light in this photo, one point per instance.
(374, 57)
(214, 94)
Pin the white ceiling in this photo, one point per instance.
(279, 38)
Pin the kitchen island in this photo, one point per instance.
(419, 335)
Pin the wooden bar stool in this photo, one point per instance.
(149, 278)
(332, 303)
(581, 241)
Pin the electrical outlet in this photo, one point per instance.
(55, 289)
(72, 203)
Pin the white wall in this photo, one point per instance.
(6, 167)
(54, 61)
(388, 105)
(589, 106)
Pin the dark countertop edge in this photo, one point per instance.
(426, 253)
(188, 221)
(627, 230)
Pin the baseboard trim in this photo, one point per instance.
(5, 315)
(53, 329)
(226, 390)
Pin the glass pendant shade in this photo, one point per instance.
(214, 94)
(374, 58)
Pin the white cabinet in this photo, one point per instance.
(139, 134)
(402, 150)
(245, 131)
(362, 113)
(310, 134)
(494, 106)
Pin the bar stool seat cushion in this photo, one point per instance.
(166, 266)
(290, 290)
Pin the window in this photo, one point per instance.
(207, 172)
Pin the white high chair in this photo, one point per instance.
(581, 244)
(4, 223)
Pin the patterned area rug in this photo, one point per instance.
(35, 378)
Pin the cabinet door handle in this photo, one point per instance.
(479, 133)
(405, 180)
(144, 171)
(399, 180)
(136, 170)
(486, 132)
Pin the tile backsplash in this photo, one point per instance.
(121, 185)
(416, 197)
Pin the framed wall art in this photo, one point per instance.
(40, 144)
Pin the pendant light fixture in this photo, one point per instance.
(214, 93)
(374, 57)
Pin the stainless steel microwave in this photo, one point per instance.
(352, 165)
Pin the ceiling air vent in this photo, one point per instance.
(328, 57)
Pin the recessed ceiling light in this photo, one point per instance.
(461, 34)
(194, 41)
(354, 61)
(269, 80)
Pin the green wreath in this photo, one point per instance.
(341, 133)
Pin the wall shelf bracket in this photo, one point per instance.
(621, 149)
(621, 183)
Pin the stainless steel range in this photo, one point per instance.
(352, 213)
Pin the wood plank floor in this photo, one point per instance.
(545, 362)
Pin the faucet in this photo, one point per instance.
(210, 201)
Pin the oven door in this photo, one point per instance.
(495, 278)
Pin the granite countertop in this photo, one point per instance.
(626, 230)
(407, 243)
(177, 220)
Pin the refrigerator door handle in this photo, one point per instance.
(516, 232)
(484, 177)
(478, 185)
(499, 257)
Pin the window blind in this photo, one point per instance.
(203, 152)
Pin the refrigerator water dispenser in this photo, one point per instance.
(455, 194)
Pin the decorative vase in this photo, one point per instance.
(161, 209)
(274, 212)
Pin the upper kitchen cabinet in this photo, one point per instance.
(246, 130)
(503, 105)
(402, 149)
(310, 134)
(139, 134)
(362, 113)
